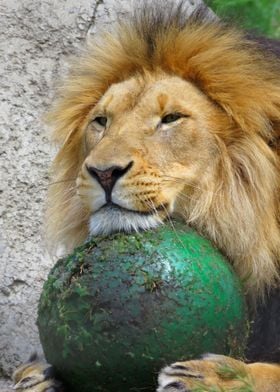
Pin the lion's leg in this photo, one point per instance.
(214, 373)
(217, 373)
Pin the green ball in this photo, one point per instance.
(119, 308)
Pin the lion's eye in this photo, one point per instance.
(172, 117)
(100, 120)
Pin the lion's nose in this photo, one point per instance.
(108, 177)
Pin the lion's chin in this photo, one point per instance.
(112, 219)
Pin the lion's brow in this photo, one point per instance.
(162, 101)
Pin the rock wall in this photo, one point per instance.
(36, 39)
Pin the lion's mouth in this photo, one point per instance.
(111, 207)
(112, 218)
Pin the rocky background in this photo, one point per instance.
(37, 37)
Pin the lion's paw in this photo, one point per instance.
(36, 376)
(212, 373)
(178, 377)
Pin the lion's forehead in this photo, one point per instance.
(153, 93)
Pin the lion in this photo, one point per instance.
(175, 116)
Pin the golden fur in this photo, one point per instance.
(229, 92)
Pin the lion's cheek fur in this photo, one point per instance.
(236, 208)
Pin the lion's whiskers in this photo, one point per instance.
(149, 204)
(179, 180)
(62, 181)
(182, 196)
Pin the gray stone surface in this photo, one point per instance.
(36, 37)
(5, 385)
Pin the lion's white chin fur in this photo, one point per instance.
(111, 219)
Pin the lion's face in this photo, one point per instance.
(147, 145)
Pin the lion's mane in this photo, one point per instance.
(233, 71)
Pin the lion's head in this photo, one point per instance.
(167, 116)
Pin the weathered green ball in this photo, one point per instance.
(119, 308)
